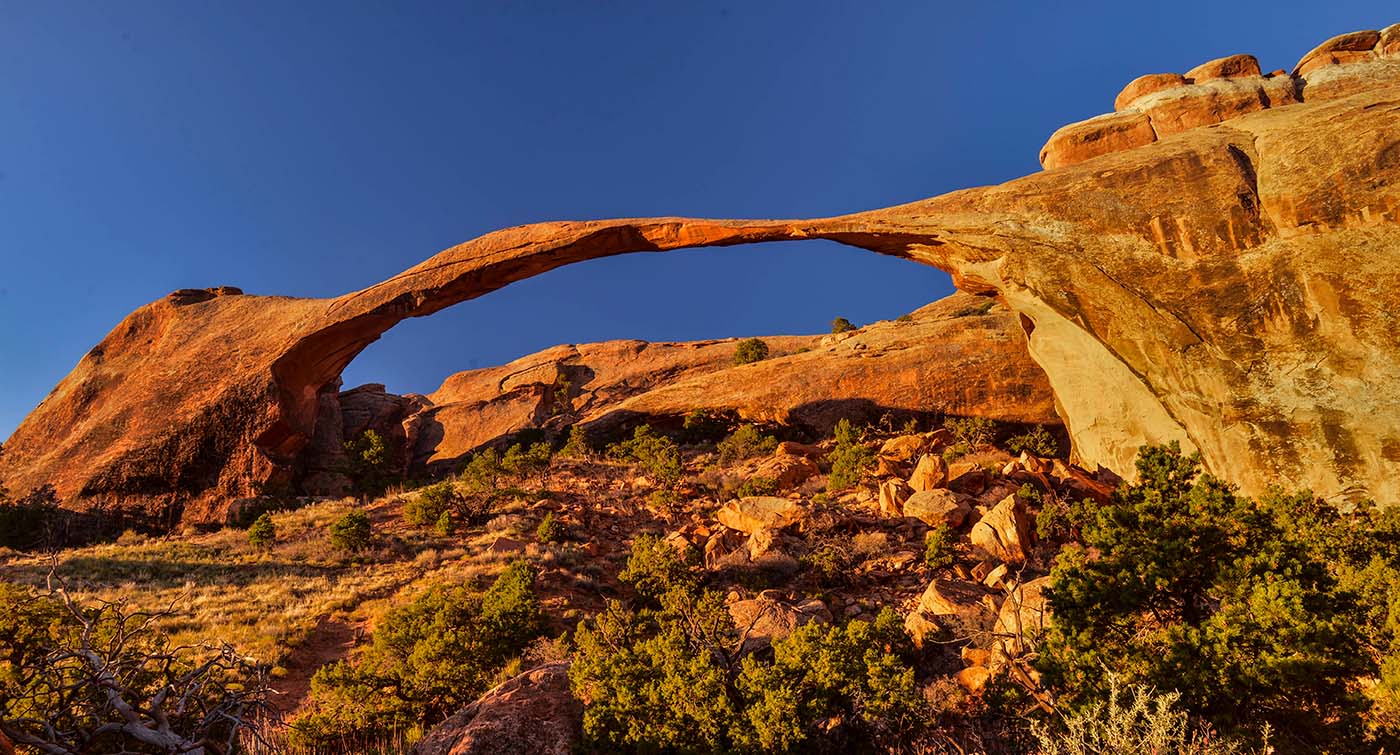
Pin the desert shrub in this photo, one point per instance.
(658, 677)
(429, 504)
(975, 310)
(446, 524)
(657, 454)
(352, 532)
(904, 318)
(853, 675)
(745, 443)
(956, 451)
(101, 678)
(940, 546)
(1135, 721)
(33, 521)
(578, 445)
(551, 530)
(655, 567)
(973, 431)
(704, 426)
(842, 325)
(757, 485)
(1037, 441)
(529, 461)
(425, 661)
(368, 462)
(831, 560)
(849, 459)
(1052, 521)
(262, 533)
(482, 471)
(750, 350)
(1194, 588)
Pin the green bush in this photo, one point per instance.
(956, 451)
(745, 443)
(352, 532)
(430, 503)
(831, 560)
(757, 485)
(262, 533)
(853, 675)
(655, 567)
(425, 661)
(551, 530)
(842, 325)
(750, 350)
(483, 471)
(704, 426)
(849, 459)
(974, 431)
(657, 454)
(529, 461)
(446, 524)
(658, 677)
(1037, 441)
(1194, 588)
(578, 445)
(369, 464)
(940, 547)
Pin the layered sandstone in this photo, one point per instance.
(1230, 285)
(1156, 105)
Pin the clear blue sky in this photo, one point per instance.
(314, 148)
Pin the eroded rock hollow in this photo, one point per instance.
(1217, 263)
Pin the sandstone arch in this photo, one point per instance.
(1232, 286)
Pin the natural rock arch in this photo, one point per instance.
(1230, 287)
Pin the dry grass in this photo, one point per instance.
(266, 602)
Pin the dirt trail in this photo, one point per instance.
(330, 641)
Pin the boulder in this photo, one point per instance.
(809, 450)
(762, 620)
(725, 548)
(1023, 617)
(892, 495)
(938, 506)
(949, 604)
(1230, 67)
(1005, 532)
(973, 678)
(788, 470)
(534, 712)
(904, 448)
(931, 472)
(1344, 48)
(755, 513)
(1112, 132)
(1145, 85)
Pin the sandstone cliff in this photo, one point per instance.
(963, 355)
(1228, 283)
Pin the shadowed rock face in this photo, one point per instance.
(1231, 286)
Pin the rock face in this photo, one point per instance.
(534, 712)
(936, 361)
(1232, 288)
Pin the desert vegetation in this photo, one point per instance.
(877, 589)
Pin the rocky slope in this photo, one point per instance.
(1228, 283)
(963, 355)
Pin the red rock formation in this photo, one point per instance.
(1156, 105)
(1232, 288)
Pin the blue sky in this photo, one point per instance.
(314, 148)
